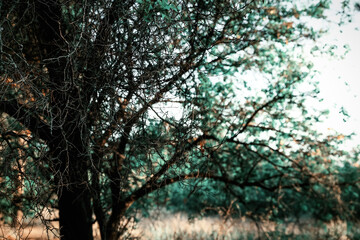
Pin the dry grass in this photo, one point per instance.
(178, 226)
(165, 225)
(30, 229)
(28, 232)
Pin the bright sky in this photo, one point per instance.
(339, 79)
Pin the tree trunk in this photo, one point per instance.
(72, 178)
(69, 147)
(74, 204)
(75, 213)
(113, 231)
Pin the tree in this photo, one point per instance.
(84, 86)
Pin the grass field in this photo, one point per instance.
(178, 226)
(164, 225)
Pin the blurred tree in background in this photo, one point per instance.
(105, 105)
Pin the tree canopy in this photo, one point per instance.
(105, 102)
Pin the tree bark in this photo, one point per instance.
(75, 210)
(113, 231)
(75, 213)
(68, 149)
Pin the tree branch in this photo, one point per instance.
(27, 118)
(253, 115)
(148, 188)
